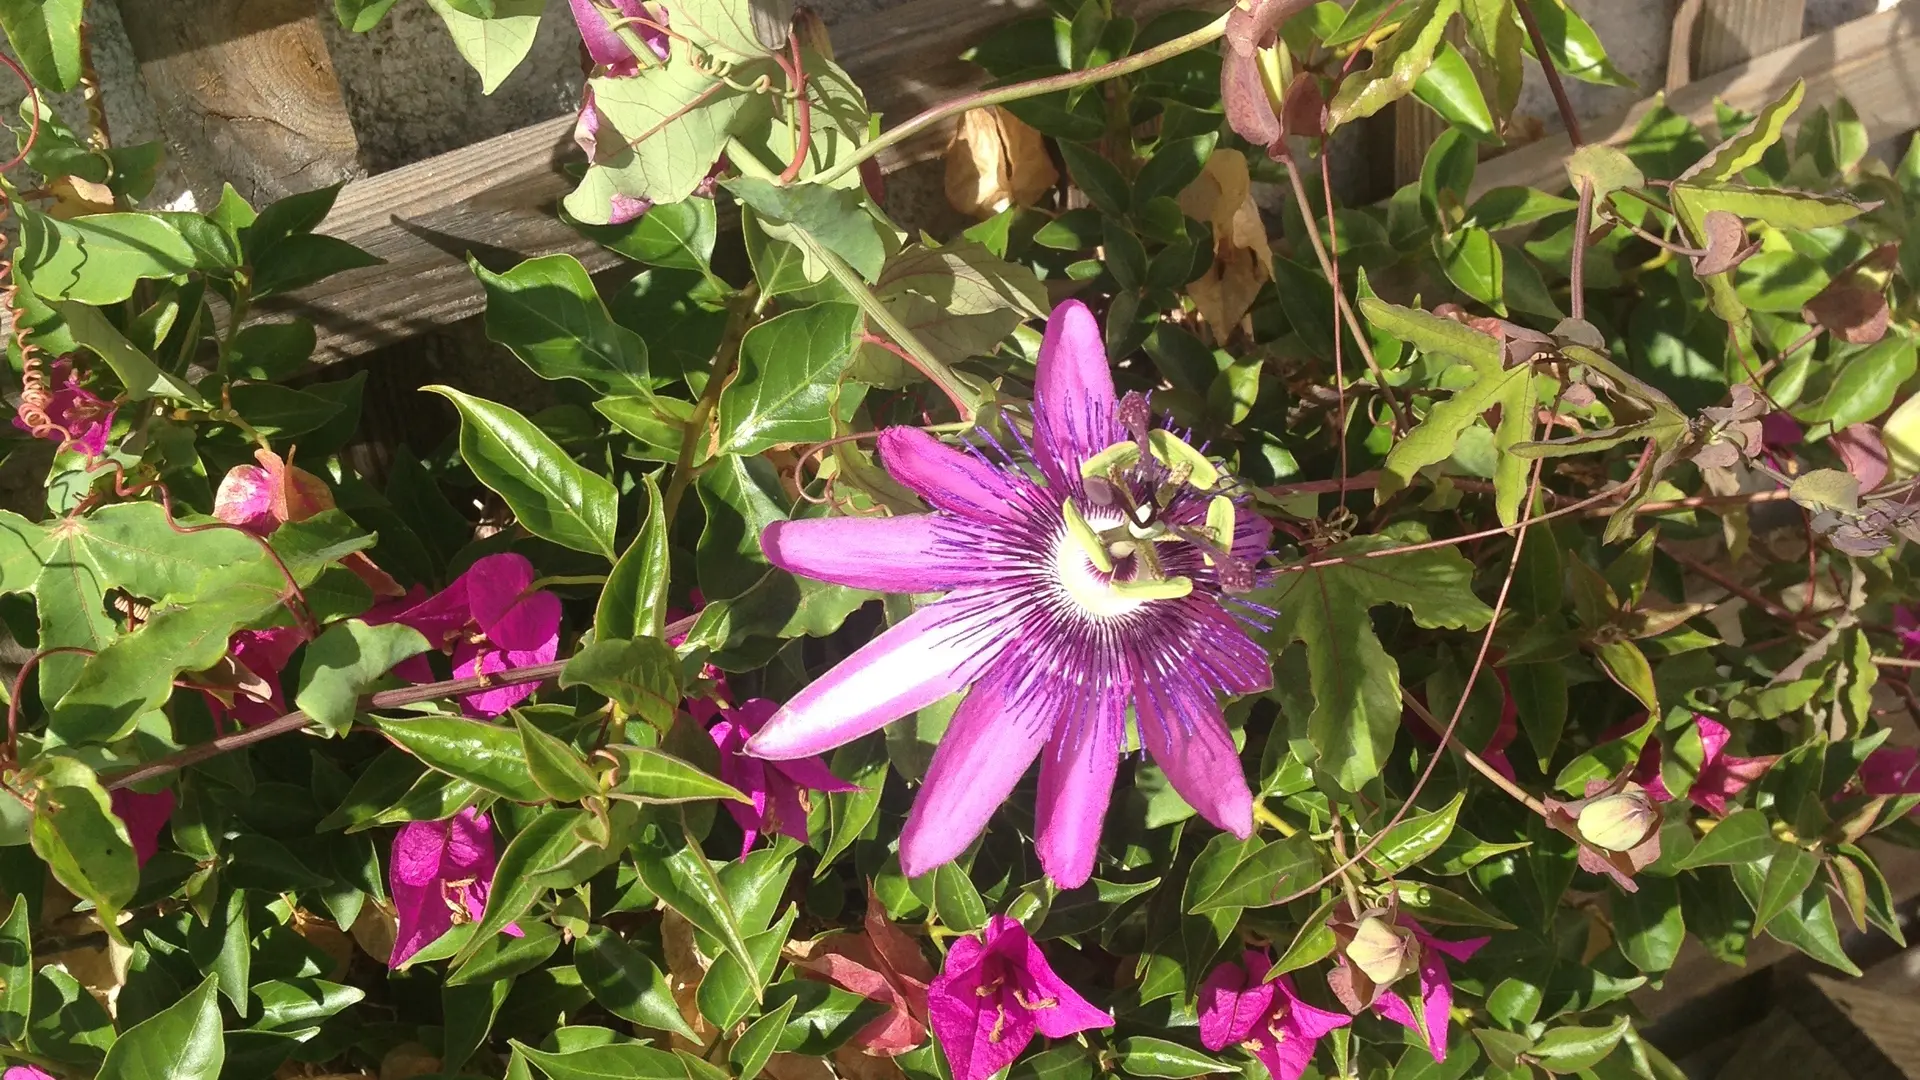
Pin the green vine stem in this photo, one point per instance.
(966, 395)
(1127, 65)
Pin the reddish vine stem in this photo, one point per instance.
(802, 108)
(871, 338)
(1570, 508)
(1401, 421)
(1582, 222)
(385, 699)
(1460, 706)
(19, 688)
(1736, 588)
(1333, 278)
(1553, 74)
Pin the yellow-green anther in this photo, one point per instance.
(1154, 588)
(1176, 454)
(1118, 456)
(1084, 535)
(1220, 520)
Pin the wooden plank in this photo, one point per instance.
(1735, 31)
(246, 92)
(496, 197)
(1873, 61)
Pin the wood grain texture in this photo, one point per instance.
(246, 92)
(496, 198)
(1873, 61)
(1735, 31)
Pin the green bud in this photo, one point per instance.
(1383, 951)
(1618, 822)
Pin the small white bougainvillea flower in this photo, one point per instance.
(1094, 568)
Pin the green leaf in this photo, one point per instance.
(1397, 64)
(614, 1061)
(1741, 837)
(494, 46)
(555, 765)
(1628, 666)
(1141, 1055)
(1098, 177)
(1571, 1049)
(140, 375)
(547, 312)
(678, 235)
(550, 495)
(862, 762)
(1312, 943)
(1789, 873)
(1435, 904)
(98, 259)
(958, 299)
(741, 497)
(729, 28)
(1263, 877)
(291, 1004)
(642, 676)
(1607, 168)
(484, 754)
(1540, 694)
(1449, 88)
(727, 992)
(1649, 925)
(361, 16)
(646, 775)
(834, 217)
(661, 131)
(1746, 147)
(77, 835)
(1409, 843)
(182, 1042)
(16, 972)
(754, 1048)
(789, 374)
(1432, 334)
(225, 948)
(346, 661)
(1574, 47)
(824, 1017)
(634, 602)
(1865, 382)
(45, 35)
(1512, 207)
(543, 846)
(1355, 681)
(1474, 263)
(1605, 761)
(1794, 211)
(1434, 438)
(627, 983)
(955, 900)
(673, 867)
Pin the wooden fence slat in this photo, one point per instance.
(1873, 61)
(246, 92)
(496, 197)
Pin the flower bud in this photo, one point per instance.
(1618, 822)
(1383, 951)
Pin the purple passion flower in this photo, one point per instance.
(995, 992)
(439, 873)
(1267, 1018)
(1086, 570)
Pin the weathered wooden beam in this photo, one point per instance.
(246, 92)
(1873, 61)
(496, 198)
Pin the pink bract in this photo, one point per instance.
(86, 417)
(144, 816)
(1238, 1007)
(774, 786)
(491, 623)
(994, 994)
(439, 872)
